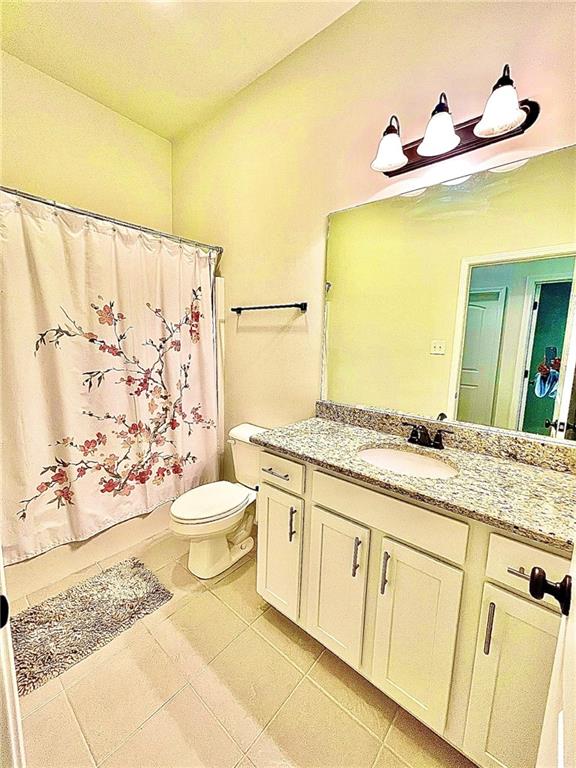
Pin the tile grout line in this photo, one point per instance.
(96, 651)
(306, 675)
(346, 711)
(215, 714)
(83, 736)
(220, 723)
(281, 652)
(139, 728)
(245, 751)
(380, 750)
(276, 714)
(65, 690)
(349, 712)
(232, 609)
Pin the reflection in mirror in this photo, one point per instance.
(511, 373)
(460, 299)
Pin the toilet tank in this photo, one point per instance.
(245, 454)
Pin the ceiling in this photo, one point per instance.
(165, 65)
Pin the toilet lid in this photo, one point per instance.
(210, 502)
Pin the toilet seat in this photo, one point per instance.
(210, 503)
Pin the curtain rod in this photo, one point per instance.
(101, 217)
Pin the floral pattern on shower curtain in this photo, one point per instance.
(109, 374)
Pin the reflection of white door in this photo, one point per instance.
(479, 372)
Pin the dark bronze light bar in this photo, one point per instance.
(468, 140)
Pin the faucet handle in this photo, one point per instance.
(414, 435)
(438, 441)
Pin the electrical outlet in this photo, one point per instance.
(438, 347)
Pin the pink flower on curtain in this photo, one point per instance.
(144, 451)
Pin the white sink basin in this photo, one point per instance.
(407, 463)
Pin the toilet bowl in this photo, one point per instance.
(217, 518)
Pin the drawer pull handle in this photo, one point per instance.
(291, 529)
(355, 559)
(383, 578)
(521, 573)
(275, 473)
(489, 627)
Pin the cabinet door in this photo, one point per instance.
(514, 655)
(338, 570)
(280, 529)
(415, 631)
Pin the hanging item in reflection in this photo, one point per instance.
(546, 381)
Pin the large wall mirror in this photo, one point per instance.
(460, 299)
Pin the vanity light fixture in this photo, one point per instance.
(390, 155)
(502, 112)
(503, 118)
(440, 136)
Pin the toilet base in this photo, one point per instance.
(211, 557)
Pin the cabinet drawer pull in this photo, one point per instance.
(275, 473)
(489, 627)
(291, 530)
(355, 559)
(383, 579)
(521, 573)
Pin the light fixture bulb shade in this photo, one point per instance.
(440, 136)
(390, 154)
(502, 113)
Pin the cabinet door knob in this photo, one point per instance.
(4, 611)
(355, 559)
(383, 577)
(291, 529)
(562, 590)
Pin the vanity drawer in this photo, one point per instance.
(504, 554)
(283, 473)
(430, 531)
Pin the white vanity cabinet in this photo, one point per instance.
(280, 534)
(337, 583)
(432, 609)
(513, 664)
(415, 631)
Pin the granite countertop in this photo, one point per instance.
(539, 504)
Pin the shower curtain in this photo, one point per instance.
(109, 374)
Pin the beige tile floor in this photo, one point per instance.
(217, 679)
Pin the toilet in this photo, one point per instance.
(217, 518)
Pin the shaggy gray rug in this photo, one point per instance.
(51, 637)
